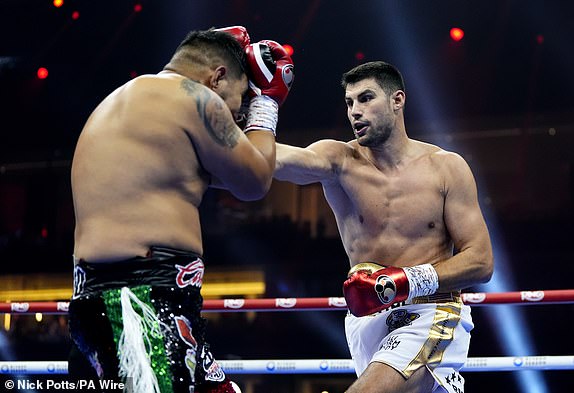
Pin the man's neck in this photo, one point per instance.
(393, 152)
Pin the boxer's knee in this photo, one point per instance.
(382, 378)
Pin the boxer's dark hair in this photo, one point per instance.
(386, 75)
(207, 46)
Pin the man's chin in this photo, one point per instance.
(364, 141)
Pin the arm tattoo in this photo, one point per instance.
(219, 126)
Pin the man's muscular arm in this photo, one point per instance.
(319, 162)
(242, 165)
(473, 263)
(271, 71)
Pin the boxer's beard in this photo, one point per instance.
(375, 137)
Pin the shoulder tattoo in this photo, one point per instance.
(212, 112)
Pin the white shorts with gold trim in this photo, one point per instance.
(434, 335)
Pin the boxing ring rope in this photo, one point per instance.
(317, 366)
(557, 296)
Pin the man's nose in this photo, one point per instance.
(356, 111)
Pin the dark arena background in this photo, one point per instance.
(502, 96)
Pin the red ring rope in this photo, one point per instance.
(558, 296)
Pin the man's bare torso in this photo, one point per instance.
(136, 178)
(391, 216)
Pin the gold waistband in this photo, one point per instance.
(437, 298)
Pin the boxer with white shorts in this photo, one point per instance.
(396, 318)
(412, 207)
(408, 336)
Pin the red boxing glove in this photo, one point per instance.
(370, 288)
(239, 33)
(270, 70)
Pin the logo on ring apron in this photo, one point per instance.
(190, 274)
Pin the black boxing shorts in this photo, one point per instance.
(140, 318)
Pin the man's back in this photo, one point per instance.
(136, 177)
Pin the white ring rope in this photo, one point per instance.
(316, 366)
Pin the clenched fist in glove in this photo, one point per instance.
(270, 71)
(370, 288)
(239, 33)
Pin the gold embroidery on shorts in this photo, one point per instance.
(447, 317)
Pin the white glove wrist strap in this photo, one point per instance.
(423, 280)
(263, 114)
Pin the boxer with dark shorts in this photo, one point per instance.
(143, 162)
(162, 291)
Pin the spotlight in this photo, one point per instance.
(138, 7)
(289, 49)
(456, 33)
(58, 3)
(42, 73)
(75, 15)
(540, 39)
